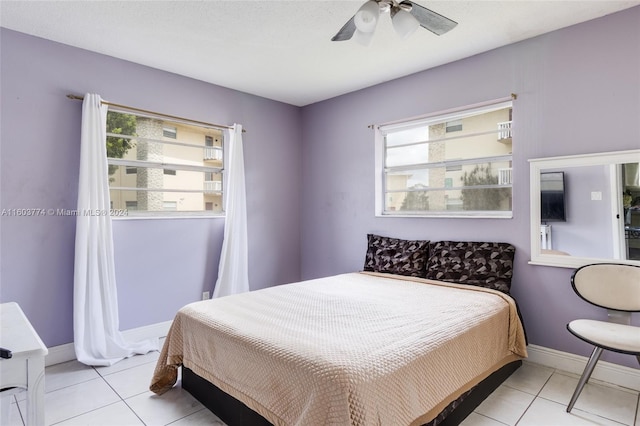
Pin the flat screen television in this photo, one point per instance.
(552, 197)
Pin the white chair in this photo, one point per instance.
(615, 287)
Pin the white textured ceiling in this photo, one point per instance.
(281, 49)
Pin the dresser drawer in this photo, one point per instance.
(13, 373)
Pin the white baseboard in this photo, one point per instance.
(66, 352)
(60, 354)
(606, 371)
(148, 331)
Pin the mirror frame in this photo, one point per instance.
(540, 164)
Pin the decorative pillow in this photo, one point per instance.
(475, 263)
(396, 256)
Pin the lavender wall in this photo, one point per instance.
(161, 264)
(578, 92)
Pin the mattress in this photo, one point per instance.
(352, 349)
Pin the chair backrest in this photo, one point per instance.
(609, 285)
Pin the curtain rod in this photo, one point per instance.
(144, 111)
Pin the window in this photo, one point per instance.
(170, 132)
(452, 164)
(152, 171)
(454, 126)
(170, 205)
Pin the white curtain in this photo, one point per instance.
(97, 338)
(233, 271)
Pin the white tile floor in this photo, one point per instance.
(115, 396)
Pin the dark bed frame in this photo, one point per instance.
(235, 413)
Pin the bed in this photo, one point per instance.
(361, 348)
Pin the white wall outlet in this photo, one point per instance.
(596, 196)
(205, 295)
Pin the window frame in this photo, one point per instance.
(439, 117)
(453, 126)
(174, 167)
(170, 132)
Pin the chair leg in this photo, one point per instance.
(586, 374)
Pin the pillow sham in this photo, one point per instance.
(484, 264)
(396, 256)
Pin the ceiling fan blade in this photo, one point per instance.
(431, 20)
(346, 32)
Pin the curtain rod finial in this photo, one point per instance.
(514, 96)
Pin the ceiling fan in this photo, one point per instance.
(406, 17)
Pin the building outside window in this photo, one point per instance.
(452, 164)
(161, 167)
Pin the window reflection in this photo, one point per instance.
(602, 201)
(631, 209)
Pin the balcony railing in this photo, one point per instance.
(504, 130)
(212, 153)
(504, 176)
(212, 186)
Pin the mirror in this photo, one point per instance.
(585, 209)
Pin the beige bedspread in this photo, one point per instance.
(353, 349)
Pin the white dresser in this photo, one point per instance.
(25, 369)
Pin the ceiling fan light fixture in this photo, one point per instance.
(366, 18)
(385, 5)
(406, 17)
(363, 39)
(404, 22)
(406, 6)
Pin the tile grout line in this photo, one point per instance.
(15, 399)
(134, 412)
(536, 396)
(490, 418)
(560, 372)
(121, 398)
(95, 409)
(99, 376)
(82, 414)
